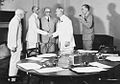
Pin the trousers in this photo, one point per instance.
(15, 57)
(87, 44)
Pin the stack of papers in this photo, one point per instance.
(113, 58)
(100, 65)
(49, 70)
(29, 66)
(88, 69)
(47, 55)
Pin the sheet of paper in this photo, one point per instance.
(100, 65)
(35, 58)
(49, 70)
(29, 66)
(47, 55)
(113, 58)
(38, 59)
(88, 69)
(110, 55)
(87, 51)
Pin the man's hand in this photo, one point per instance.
(13, 49)
(50, 35)
(81, 18)
(67, 43)
(46, 33)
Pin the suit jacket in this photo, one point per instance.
(88, 28)
(34, 29)
(65, 32)
(14, 33)
(48, 26)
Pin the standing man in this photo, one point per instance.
(64, 32)
(87, 20)
(34, 29)
(14, 41)
(48, 25)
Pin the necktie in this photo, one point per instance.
(48, 19)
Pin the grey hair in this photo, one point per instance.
(19, 11)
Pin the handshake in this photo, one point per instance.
(50, 35)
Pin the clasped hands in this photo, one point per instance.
(50, 35)
(13, 49)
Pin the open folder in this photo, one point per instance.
(29, 66)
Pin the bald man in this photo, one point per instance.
(14, 41)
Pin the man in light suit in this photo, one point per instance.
(34, 29)
(48, 24)
(64, 32)
(87, 20)
(14, 41)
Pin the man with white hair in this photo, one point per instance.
(14, 41)
(64, 32)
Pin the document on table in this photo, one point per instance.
(109, 55)
(100, 65)
(49, 70)
(117, 58)
(87, 51)
(34, 58)
(29, 66)
(38, 59)
(88, 69)
(47, 55)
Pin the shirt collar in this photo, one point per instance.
(62, 17)
(35, 15)
(88, 13)
(18, 17)
(47, 17)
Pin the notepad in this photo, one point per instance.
(29, 66)
(88, 69)
(49, 70)
(100, 65)
(113, 58)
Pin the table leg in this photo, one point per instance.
(28, 78)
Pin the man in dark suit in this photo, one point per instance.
(87, 20)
